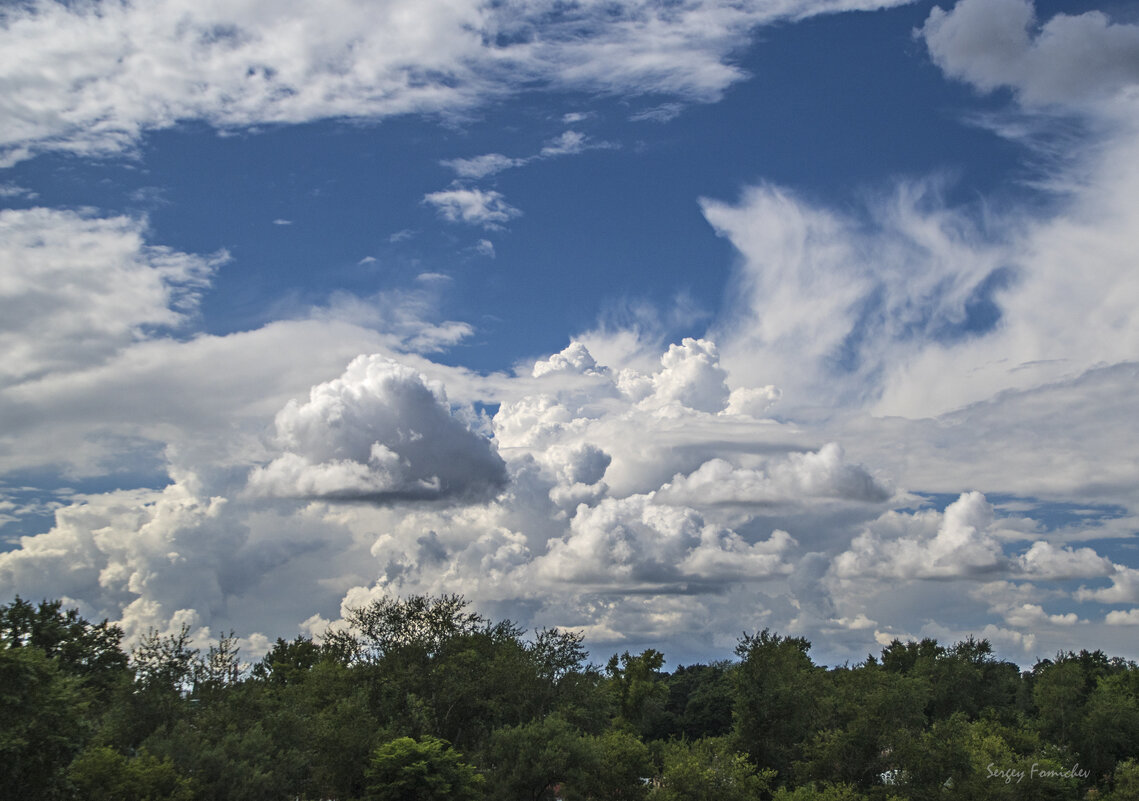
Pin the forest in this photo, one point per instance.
(422, 698)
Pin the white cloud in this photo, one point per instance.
(1070, 59)
(93, 78)
(482, 166)
(280, 221)
(76, 289)
(1124, 588)
(633, 543)
(13, 190)
(576, 358)
(961, 542)
(1047, 561)
(568, 144)
(795, 477)
(380, 432)
(472, 206)
(1033, 615)
(665, 112)
(1119, 617)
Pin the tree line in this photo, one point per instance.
(421, 698)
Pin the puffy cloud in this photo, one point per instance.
(1033, 615)
(76, 289)
(1119, 617)
(473, 206)
(1124, 588)
(791, 479)
(1047, 561)
(379, 432)
(575, 358)
(961, 542)
(1070, 59)
(633, 542)
(692, 376)
(92, 78)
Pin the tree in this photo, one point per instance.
(709, 770)
(102, 774)
(288, 662)
(527, 761)
(42, 724)
(421, 770)
(779, 698)
(873, 714)
(699, 702)
(619, 766)
(90, 652)
(639, 689)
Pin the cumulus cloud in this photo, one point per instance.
(1124, 588)
(92, 78)
(472, 206)
(380, 432)
(575, 358)
(633, 542)
(959, 542)
(797, 476)
(1047, 561)
(1070, 59)
(75, 289)
(1119, 617)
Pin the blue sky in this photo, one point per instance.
(658, 321)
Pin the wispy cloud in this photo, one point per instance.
(482, 166)
(92, 78)
(662, 113)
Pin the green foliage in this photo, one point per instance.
(618, 769)
(528, 761)
(699, 702)
(1125, 782)
(421, 770)
(709, 770)
(102, 774)
(825, 791)
(779, 698)
(90, 652)
(373, 709)
(638, 689)
(42, 723)
(288, 662)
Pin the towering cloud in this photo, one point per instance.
(379, 432)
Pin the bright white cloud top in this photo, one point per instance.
(555, 307)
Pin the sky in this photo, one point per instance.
(660, 321)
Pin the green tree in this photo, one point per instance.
(102, 774)
(638, 688)
(1125, 782)
(709, 770)
(90, 652)
(699, 702)
(421, 770)
(43, 724)
(529, 760)
(618, 769)
(779, 696)
(872, 715)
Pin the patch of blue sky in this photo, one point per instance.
(834, 106)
